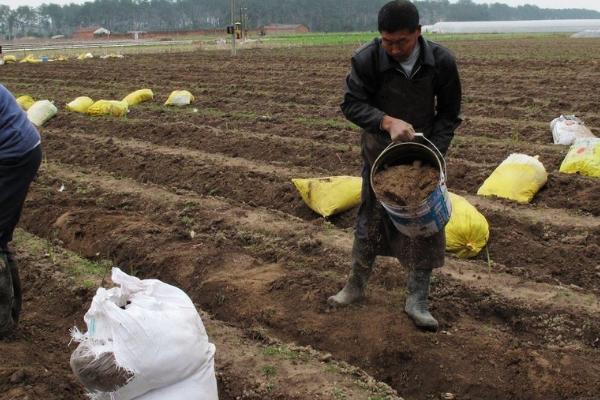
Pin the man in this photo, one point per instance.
(20, 158)
(399, 84)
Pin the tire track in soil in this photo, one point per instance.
(558, 250)
(309, 325)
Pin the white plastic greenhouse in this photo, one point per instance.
(542, 26)
(588, 33)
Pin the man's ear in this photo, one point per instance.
(418, 30)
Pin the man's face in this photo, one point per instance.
(400, 44)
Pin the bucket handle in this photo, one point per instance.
(434, 147)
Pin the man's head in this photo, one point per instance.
(398, 24)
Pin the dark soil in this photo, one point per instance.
(521, 324)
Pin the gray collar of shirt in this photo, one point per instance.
(408, 65)
(425, 58)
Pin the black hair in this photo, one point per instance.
(398, 15)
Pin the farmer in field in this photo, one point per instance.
(399, 84)
(20, 158)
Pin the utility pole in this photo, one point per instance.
(245, 19)
(233, 52)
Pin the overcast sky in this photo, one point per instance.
(590, 4)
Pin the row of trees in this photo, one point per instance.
(318, 15)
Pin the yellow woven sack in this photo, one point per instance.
(80, 104)
(179, 98)
(84, 56)
(25, 102)
(109, 107)
(30, 59)
(517, 178)
(62, 58)
(329, 196)
(139, 96)
(583, 158)
(468, 231)
(10, 59)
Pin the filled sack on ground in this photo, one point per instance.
(331, 195)
(568, 128)
(583, 158)
(179, 98)
(145, 341)
(9, 59)
(517, 178)
(30, 59)
(468, 231)
(80, 104)
(41, 111)
(25, 102)
(108, 107)
(84, 56)
(111, 55)
(139, 96)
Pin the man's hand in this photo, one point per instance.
(400, 131)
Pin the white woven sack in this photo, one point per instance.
(41, 111)
(567, 129)
(156, 334)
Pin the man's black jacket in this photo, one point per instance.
(371, 63)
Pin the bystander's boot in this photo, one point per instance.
(355, 287)
(7, 322)
(16, 282)
(416, 300)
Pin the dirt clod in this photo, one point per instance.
(18, 377)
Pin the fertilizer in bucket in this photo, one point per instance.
(410, 183)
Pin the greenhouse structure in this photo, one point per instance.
(534, 26)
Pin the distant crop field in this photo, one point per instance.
(351, 38)
(223, 42)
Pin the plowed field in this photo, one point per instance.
(525, 326)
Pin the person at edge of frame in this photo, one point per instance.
(20, 159)
(399, 84)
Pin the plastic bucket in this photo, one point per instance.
(44, 58)
(433, 213)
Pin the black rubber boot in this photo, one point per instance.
(416, 300)
(355, 287)
(16, 282)
(7, 299)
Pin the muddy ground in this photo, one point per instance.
(525, 325)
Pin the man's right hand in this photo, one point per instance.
(400, 131)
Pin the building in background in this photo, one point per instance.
(279, 29)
